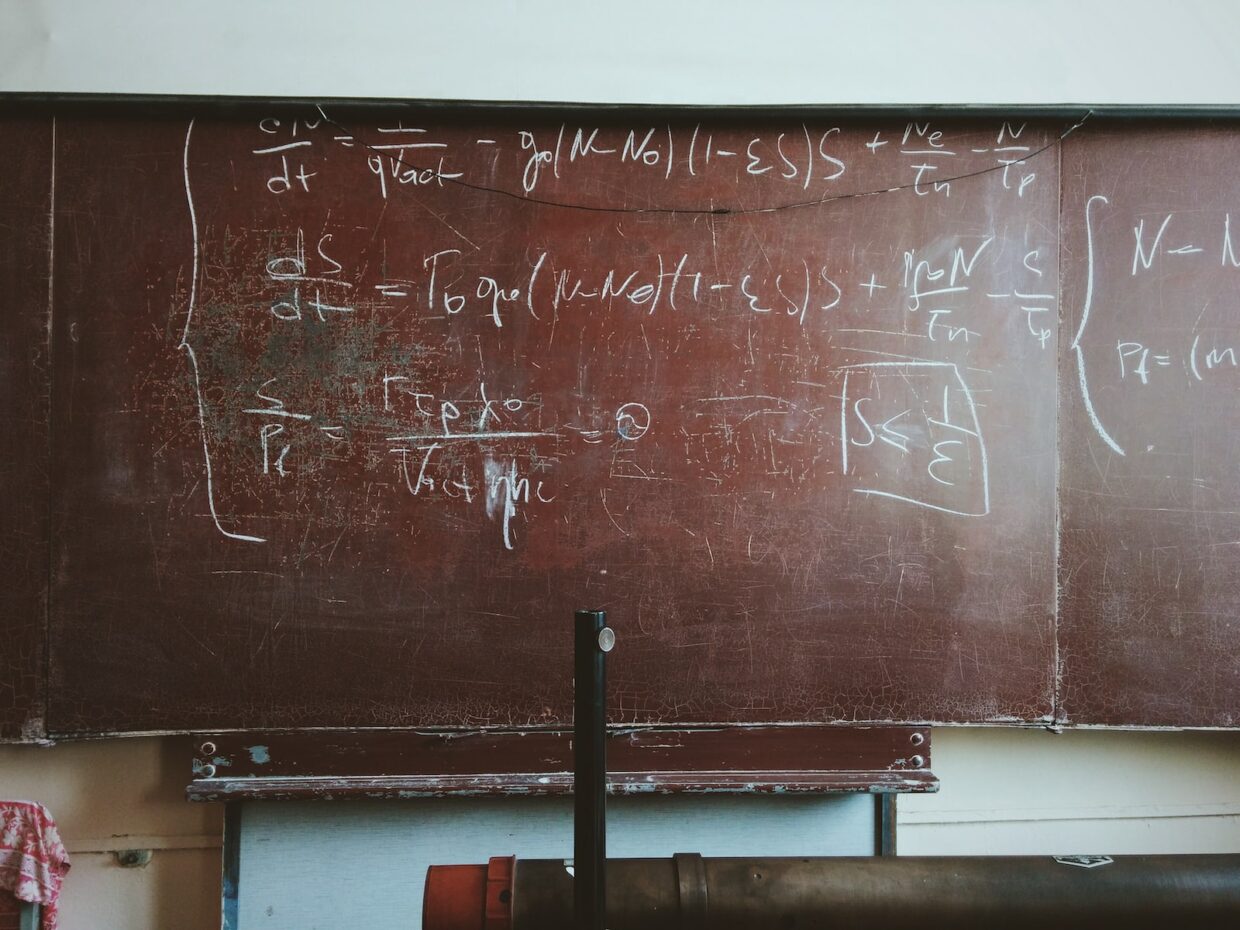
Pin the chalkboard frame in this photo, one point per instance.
(344, 764)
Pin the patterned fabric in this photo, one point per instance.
(33, 861)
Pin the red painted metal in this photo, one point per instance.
(456, 897)
(469, 897)
(500, 875)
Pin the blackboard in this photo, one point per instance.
(1150, 630)
(351, 408)
(25, 217)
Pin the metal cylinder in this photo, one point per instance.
(878, 893)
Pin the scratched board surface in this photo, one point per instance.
(25, 211)
(1149, 483)
(356, 409)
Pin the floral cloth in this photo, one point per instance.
(33, 861)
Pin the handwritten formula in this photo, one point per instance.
(502, 325)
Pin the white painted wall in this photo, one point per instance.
(642, 51)
(1003, 791)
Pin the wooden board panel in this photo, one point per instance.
(1150, 489)
(26, 161)
(356, 410)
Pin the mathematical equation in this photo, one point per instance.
(924, 157)
(927, 285)
(1164, 284)
(466, 361)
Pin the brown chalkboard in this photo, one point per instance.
(349, 408)
(25, 381)
(354, 408)
(1150, 480)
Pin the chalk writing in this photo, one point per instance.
(910, 432)
(459, 348)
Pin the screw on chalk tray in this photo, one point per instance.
(592, 640)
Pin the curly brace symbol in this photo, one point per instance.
(193, 359)
(1076, 342)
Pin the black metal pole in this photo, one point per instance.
(591, 642)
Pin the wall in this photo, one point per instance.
(125, 794)
(1004, 791)
(640, 51)
(1030, 792)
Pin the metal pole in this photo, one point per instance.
(885, 824)
(591, 642)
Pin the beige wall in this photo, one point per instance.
(112, 795)
(1004, 792)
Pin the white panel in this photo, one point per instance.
(1032, 792)
(1109, 835)
(652, 51)
(324, 865)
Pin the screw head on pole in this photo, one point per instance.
(606, 639)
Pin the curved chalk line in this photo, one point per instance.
(1076, 341)
(193, 359)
